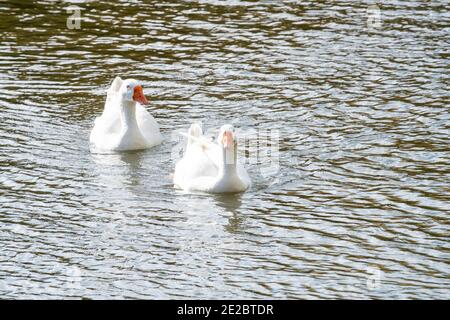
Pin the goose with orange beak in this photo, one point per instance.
(210, 167)
(125, 124)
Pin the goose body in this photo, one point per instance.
(210, 167)
(124, 123)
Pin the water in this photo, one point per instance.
(356, 204)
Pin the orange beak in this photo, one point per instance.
(227, 139)
(138, 95)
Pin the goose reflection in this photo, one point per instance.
(119, 170)
(231, 203)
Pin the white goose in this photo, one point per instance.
(124, 124)
(210, 167)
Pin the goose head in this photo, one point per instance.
(131, 91)
(228, 141)
(226, 137)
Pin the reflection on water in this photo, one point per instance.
(354, 205)
(231, 204)
(126, 167)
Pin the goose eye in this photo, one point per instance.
(128, 87)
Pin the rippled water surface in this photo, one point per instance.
(354, 205)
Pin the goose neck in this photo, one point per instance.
(128, 115)
(228, 166)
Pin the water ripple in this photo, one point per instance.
(358, 207)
